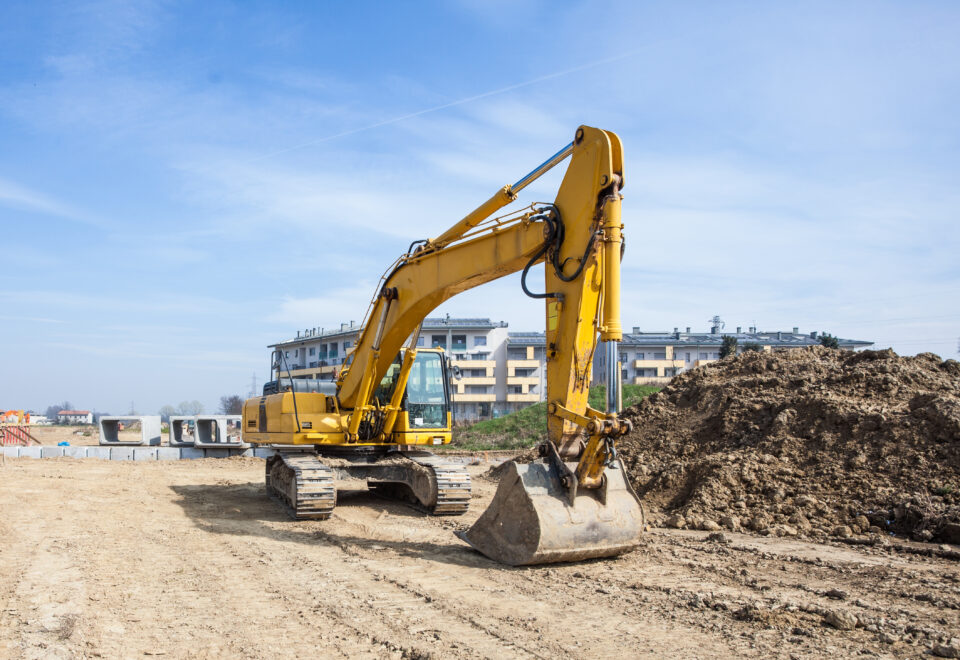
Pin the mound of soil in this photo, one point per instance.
(804, 442)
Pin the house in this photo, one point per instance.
(75, 417)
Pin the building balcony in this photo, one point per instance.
(477, 380)
(474, 364)
(473, 398)
(524, 398)
(650, 364)
(650, 380)
(513, 365)
(523, 380)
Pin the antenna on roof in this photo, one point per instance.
(716, 325)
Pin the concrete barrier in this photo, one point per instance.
(181, 431)
(144, 453)
(30, 452)
(149, 430)
(218, 432)
(51, 452)
(75, 452)
(168, 453)
(121, 453)
(103, 453)
(187, 453)
(11, 452)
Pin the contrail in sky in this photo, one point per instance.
(444, 106)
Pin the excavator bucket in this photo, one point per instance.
(531, 519)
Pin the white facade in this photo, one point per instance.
(75, 417)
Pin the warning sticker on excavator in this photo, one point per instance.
(553, 312)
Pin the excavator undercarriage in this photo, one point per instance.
(304, 482)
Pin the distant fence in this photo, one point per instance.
(16, 435)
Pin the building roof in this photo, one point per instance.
(527, 338)
(430, 323)
(73, 412)
(775, 339)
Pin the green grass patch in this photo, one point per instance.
(528, 427)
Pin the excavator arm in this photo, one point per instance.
(579, 239)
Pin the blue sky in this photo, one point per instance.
(183, 184)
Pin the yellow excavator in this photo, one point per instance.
(391, 400)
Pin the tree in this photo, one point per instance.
(52, 411)
(752, 346)
(231, 405)
(190, 407)
(729, 346)
(828, 340)
(165, 413)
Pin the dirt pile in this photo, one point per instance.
(804, 442)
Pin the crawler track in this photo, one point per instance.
(453, 484)
(302, 485)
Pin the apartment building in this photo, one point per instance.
(495, 372)
(653, 358)
(475, 346)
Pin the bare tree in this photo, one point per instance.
(190, 407)
(231, 405)
(165, 413)
(52, 411)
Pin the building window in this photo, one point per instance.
(659, 356)
(703, 356)
(313, 350)
(438, 341)
(640, 356)
(459, 343)
(479, 356)
(346, 345)
(480, 340)
(296, 352)
(286, 354)
(419, 341)
(688, 357)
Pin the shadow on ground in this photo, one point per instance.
(246, 510)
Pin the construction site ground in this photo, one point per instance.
(190, 559)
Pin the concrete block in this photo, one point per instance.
(11, 452)
(217, 453)
(263, 452)
(218, 431)
(75, 452)
(149, 430)
(168, 453)
(51, 452)
(144, 453)
(103, 453)
(248, 452)
(182, 430)
(121, 453)
(190, 452)
(30, 452)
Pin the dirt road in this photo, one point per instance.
(190, 559)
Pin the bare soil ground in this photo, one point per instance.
(190, 560)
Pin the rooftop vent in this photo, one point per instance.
(796, 330)
(739, 329)
(636, 329)
(688, 329)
